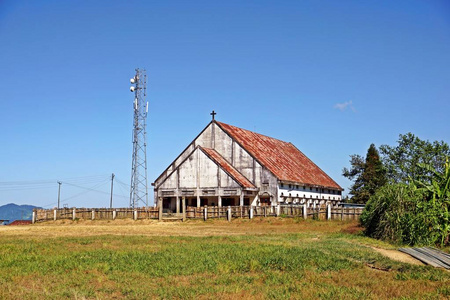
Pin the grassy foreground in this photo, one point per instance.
(272, 258)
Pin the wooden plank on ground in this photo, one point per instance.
(428, 257)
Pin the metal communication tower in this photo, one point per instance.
(139, 191)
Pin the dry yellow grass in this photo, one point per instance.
(154, 228)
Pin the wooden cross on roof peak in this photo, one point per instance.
(213, 114)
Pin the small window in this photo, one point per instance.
(281, 194)
(317, 189)
(304, 187)
(290, 186)
(304, 196)
(310, 188)
(317, 196)
(281, 185)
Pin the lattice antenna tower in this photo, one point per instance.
(139, 190)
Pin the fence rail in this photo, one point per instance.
(205, 212)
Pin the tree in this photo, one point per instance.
(402, 162)
(368, 175)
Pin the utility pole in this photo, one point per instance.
(139, 190)
(112, 183)
(59, 192)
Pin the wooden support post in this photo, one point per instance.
(278, 210)
(54, 215)
(183, 208)
(241, 199)
(114, 214)
(229, 213)
(205, 212)
(74, 214)
(93, 214)
(160, 210)
(135, 215)
(328, 211)
(219, 201)
(250, 213)
(265, 211)
(198, 201)
(342, 212)
(33, 218)
(305, 211)
(177, 205)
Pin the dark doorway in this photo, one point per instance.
(264, 201)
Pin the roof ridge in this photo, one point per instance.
(260, 134)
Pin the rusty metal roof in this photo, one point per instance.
(227, 167)
(283, 159)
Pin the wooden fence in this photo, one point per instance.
(205, 212)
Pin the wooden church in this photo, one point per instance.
(229, 166)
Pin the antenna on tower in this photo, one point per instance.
(139, 190)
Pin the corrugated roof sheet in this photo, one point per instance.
(227, 167)
(283, 159)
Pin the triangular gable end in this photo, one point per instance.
(187, 175)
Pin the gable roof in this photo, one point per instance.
(227, 167)
(283, 159)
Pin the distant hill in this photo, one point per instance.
(13, 212)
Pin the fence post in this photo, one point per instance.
(277, 210)
(183, 208)
(93, 214)
(135, 214)
(54, 215)
(250, 214)
(229, 213)
(305, 211)
(342, 212)
(33, 219)
(74, 214)
(160, 211)
(265, 211)
(114, 214)
(205, 212)
(328, 211)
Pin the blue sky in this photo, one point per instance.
(331, 77)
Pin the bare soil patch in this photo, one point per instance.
(399, 256)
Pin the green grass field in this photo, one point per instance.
(276, 258)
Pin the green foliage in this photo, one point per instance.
(403, 161)
(413, 208)
(416, 213)
(368, 175)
